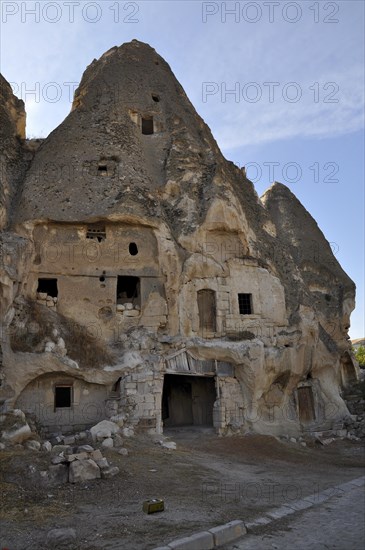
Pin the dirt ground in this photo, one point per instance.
(206, 481)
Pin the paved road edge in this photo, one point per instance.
(234, 530)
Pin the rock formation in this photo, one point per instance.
(143, 276)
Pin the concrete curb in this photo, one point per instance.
(234, 530)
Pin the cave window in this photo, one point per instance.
(102, 170)
(48, 286)
(155, 98)
(96, 232)
(147, 126)
(245, 304)
(62, 397)
(133, 249)
(128, 290)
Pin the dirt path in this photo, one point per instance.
(205, 482)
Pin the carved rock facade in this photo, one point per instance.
(142, 278)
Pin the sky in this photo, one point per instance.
(280, 84)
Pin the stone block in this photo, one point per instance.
(69, 440)
(200, 541)
(77, 456)
(299, 505)
(123, 451)
(102, 463)
(259, 522)
(57, 449)
(96, 455)
(58, 459)
(171, 445)
(85, 448)
(131, 313)
(149, 399)
(281, 512)
(83, 470)
(224, 534)
(47, 446)
(104, 429)
(108, 443)
(317, 498)
(359, 481)
(17, 434)
(109, 472)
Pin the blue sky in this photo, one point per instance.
(295, 70)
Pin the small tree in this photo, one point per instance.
(360, 355)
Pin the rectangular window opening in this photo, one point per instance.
(102, 170)
(62, 397)
(128, 290)
(245, 304)
(147, 126)
(96, 232)
(48, 286)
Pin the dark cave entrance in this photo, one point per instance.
(188, 400)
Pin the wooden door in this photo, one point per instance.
(207, 310)
(306, 404)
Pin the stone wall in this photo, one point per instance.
(89, 403)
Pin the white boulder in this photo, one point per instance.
(103, 430)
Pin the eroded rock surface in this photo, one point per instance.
(149, 283)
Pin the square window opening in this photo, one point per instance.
(128, 290)
(62, 397)
(102, 170)
(245, 304)
(147, 126)
(48, 286)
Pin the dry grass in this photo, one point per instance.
(17, 506)
(39, 323)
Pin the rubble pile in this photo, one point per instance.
(73, 459)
